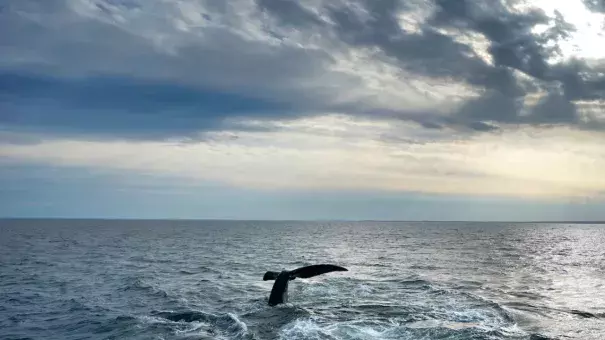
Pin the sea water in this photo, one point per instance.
(111, 279)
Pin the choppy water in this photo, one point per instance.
(202, 280)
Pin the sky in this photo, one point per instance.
(315, 109)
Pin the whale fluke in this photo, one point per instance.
(316, 269)
(279, 292)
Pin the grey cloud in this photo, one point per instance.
(511, 42)
(48, 36)
(491, 105)
(481, 126)
(429, 52)
(431, 125)
(554, 108)
(69, 44)
(290, 12)
(579, 81)
(52, 44)
(434, 54)
(513, 45)
(595, 5)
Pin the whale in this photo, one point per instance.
(279, 292)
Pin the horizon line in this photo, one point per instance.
(296, 220)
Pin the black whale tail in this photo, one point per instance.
(306, 272)
(279, 292)
(314, 270)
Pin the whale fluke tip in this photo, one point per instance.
(270, 276)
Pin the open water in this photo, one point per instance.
(107, 279)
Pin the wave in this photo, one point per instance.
(314, 328)
(400, 309)
(223, 324)
(368, 329)
(150, 259)
(369, 264)
(587, 315)
(139, 284)
(424, 267)
(209, 270)
(543, 310)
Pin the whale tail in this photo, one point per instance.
(279, 292)
(314, 270)
(306, 272)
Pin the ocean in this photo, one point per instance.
(113, 279)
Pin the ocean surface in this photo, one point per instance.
(105, 279)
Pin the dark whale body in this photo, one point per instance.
(279, 292)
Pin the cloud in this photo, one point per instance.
(520, 60)
(154, 69)
(79, 45)
(123, 106)
(341, 154)
(520, 63)
(595, 5)
(290, 12)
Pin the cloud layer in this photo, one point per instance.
(473, 66)
(336, 153)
